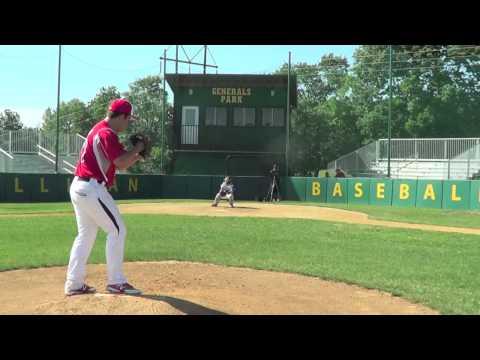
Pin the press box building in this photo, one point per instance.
(229, 124)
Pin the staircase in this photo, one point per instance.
(430, 169)
(33, 151)
(33, 163)
(27, 163)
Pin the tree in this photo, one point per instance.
(147, 97)
(73, 114)
(78, 117)
(324, 122)
(97, 108)
(10, 121)
(435, 91)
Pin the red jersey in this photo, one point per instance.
(100, 149)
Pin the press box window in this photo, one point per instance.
(243, 117)
(273, 117)
(216, 116)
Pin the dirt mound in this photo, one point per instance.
(191, 288)
(100, 304)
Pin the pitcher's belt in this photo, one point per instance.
(87, 179)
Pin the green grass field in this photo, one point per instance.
(439, 270)
(59, 207)
(411, 215)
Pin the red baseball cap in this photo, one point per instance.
(121, 106)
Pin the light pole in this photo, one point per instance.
(287, 143)
(58, 106)
(164, 98)
(390, 113)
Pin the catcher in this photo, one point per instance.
(100, 156)
(225, 192)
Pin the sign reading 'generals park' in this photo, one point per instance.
(231, 95)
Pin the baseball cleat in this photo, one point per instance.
(124, 288)
(85, 289)
(214, 205)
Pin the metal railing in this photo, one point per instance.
(467, 162)
(16, 146)
(6, 153)
(4, 141)
(430, 169)
(454, 158)
(47, 155)
(357, 163)
(189, 135)
(70, 168)
(25, 141)
(50, 157)
(426, 148)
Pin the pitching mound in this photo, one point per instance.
(172, 288)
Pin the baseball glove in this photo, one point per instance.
(135, 138)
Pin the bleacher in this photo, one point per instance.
(441, 159)
(427, 169)
(27, 163)
(33, 163)
(33, 151)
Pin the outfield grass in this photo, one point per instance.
(60, 207)
(389, 213)
(439, 270)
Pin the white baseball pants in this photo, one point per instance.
(219, 197)
(94, 207)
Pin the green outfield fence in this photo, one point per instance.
(447, 194)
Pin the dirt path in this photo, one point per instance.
(281, 211)
(255, 209)
(174, 288)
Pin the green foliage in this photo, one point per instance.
(98, 106)
(73, 115)
(324, 122)
(10, 121)
(78, 117)
(147, 97)
(435, 92)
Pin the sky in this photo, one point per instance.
(29, 73)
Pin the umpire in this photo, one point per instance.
(274, 193)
